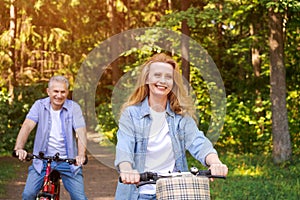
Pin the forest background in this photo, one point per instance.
(255, 45)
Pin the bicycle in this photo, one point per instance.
(193, 185)
(50, 189)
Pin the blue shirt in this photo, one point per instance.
(134, 128)
(71, 119)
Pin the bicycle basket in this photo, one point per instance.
(183, 188)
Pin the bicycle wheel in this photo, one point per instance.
(46, 197)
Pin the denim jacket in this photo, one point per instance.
(134, 128)
(71, 119)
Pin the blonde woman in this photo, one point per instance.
(156, 127)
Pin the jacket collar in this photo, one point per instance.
(145, 108)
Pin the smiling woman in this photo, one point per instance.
(156, 128)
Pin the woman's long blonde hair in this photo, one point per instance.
(180, 101)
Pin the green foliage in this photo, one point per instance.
(293, 101)
(202, 99)
(282, 5)
(231, 29)
(247, 126)
(12, 115)
(10, 120)
(107, 126)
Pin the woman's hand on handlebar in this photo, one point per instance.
(21, 154)
(130, 177)
(218, 170)
(127, 174)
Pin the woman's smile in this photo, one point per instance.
(161, 87)
(160, 79)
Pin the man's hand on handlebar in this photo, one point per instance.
(21, 154)
(81, 160)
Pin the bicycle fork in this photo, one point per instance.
(51, 186)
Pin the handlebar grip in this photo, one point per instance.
(217, 176)
(28, 157)
(208, 174)
(144, 176)
(86, 160)
(14, 154)
(73, 161)
(147, 176)
(204, 173)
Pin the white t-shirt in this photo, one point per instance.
(160, 156)
(56, 140)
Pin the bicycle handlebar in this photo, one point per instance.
(152, 177)
(56, 158)
(148, 176)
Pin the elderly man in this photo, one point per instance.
(56, 118)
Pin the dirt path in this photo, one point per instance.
(99, 179)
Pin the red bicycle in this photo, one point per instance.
(51, 186)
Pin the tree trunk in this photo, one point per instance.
(185, 43)
(281, 138)
(169, 4)
(255, 28)
(115, 68)
(12, 52)
(220, 40)
(255, 53)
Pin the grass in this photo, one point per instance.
(7, 172)
(254, 177)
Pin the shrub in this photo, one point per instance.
(12, 115)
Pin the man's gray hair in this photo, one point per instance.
(58, 79)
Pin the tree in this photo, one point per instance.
(185, 43)
(12, 51)
(282, 149)
(115, 29)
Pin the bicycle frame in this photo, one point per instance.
(51, 185)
